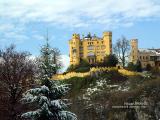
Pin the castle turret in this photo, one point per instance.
(107, 38)
(134, 51)
(74, 44)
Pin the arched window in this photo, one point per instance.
(90, 53)
(90, 47)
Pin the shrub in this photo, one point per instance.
(155, 70)
(131, 67)
(82, 69)
(135, 67)
(109, 61)
(138, 66)
(148, 67)
(71, 68)
(84, 66)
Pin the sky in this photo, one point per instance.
(25, 22)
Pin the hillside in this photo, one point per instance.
(112, 95)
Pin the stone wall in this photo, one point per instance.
(93, 71)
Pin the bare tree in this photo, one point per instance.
(16, 75)
(121, 49)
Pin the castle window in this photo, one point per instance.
(81, 48)
(98, 53)
(103, 46)
(90, 54)
(81, 54)
(103, 53)
(89, 60)
(90, 47)
(74, 51)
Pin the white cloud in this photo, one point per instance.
(12, 32)
(6, 27)
(16, 15)
(65, 62)
(80, 13)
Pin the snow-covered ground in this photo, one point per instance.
(101, 85)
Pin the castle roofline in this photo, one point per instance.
(91, 37)
(155, 51)
(145, 50)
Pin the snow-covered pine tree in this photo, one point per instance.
(47, 98)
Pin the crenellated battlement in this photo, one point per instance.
(75, 36)
(109, 33)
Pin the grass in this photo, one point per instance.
(78, 84)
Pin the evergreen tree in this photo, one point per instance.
(47, 98)
(56, 55)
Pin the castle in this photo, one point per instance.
(145, 56)
(90, 48)
(94, 49)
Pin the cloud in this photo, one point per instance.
(19, 16)
(7, 26)
(65, 62)
(12, 32)
(80, 14)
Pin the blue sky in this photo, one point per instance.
(25, 22)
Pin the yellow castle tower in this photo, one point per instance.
(74, 51)
(134, 51)
(90, 48)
